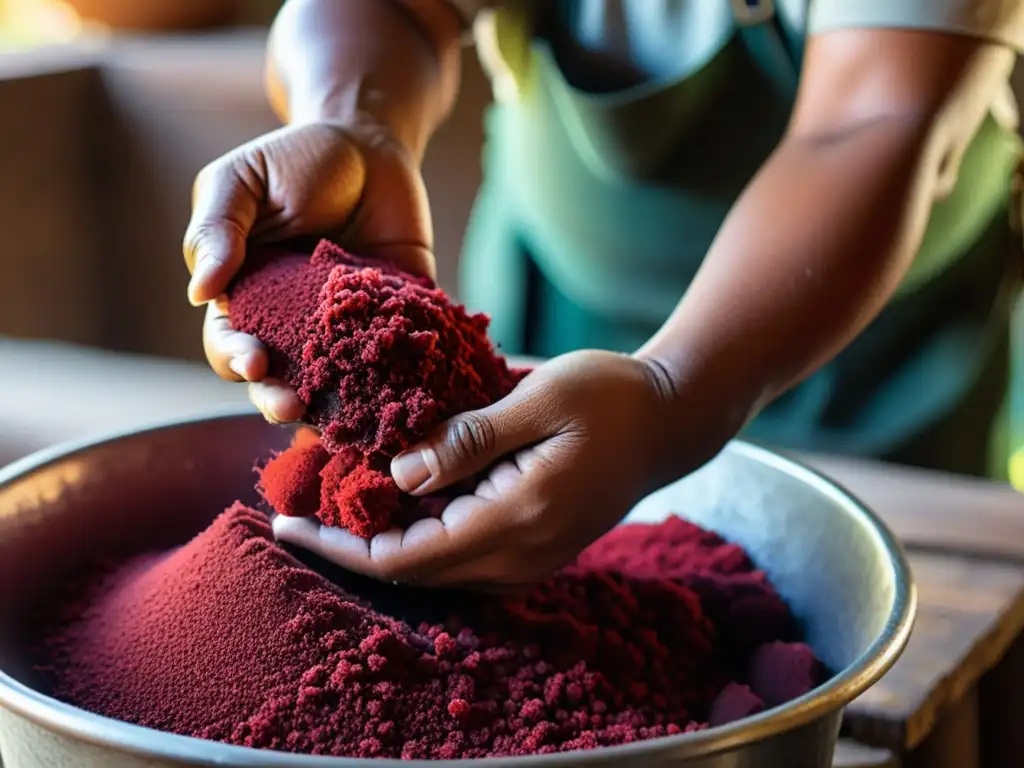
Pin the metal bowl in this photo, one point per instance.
(840, 569)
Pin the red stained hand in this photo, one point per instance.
(355, 186)
(579, 442)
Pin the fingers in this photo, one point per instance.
(360, 556)
(225, 204)
(471, 442)
(235, 356)
(333, 544)
(276, 401)
(410, 555)
(500, 481)
(473, 545)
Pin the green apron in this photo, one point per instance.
(597, 209)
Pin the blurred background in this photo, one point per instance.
(108, 108)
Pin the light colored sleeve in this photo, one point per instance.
(1000, 21)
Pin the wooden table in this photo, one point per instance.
(953, 699)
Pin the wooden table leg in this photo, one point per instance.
(954, 743)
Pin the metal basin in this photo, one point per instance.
(842, 572)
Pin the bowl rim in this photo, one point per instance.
(99, 731)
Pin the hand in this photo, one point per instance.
(578, 443)
(357, 186)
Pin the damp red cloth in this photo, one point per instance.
(231, 638)
(380, 357)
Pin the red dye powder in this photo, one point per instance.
(231, 638)
(291, 481)
(379, 357)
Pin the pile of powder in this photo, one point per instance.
(380, 357)
(656, 630)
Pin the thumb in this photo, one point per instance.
(223, 212)
(469, 443)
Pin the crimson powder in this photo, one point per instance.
(655, 630)
(380, 357)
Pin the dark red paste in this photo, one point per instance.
(380, 358)
(656, 630)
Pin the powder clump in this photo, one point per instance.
(234, 639)
(380, 358)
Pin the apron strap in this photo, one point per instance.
(772, 45)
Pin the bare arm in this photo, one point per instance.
(388, 63)
(363, 84)
(823, 235)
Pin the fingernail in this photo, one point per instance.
(410, 470)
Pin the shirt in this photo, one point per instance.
(670, 38)
(614, 192)
(644, 28)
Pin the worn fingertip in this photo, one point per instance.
(287, 408)
(423, 532)
(286, 414)
(249, 366)
(270, 418)
(197, 291)
(278, 403)
(343, 545)
(209, 280)
(301, 531)
(195, 294)
(461, 509)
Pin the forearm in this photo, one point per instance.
(823, 235)
(389, 63)
(808, 256)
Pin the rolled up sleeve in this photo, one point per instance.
(999, 21)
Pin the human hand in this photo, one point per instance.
(357, 186)
(579, 442)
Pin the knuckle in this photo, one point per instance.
(206, 173)
(196, 235)
(213, 175)
(470, 435)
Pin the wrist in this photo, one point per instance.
(703, 408)
(365, 116)
(350, 63)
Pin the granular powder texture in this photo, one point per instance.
(291, 481)
(380, 357)
(232, 638)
